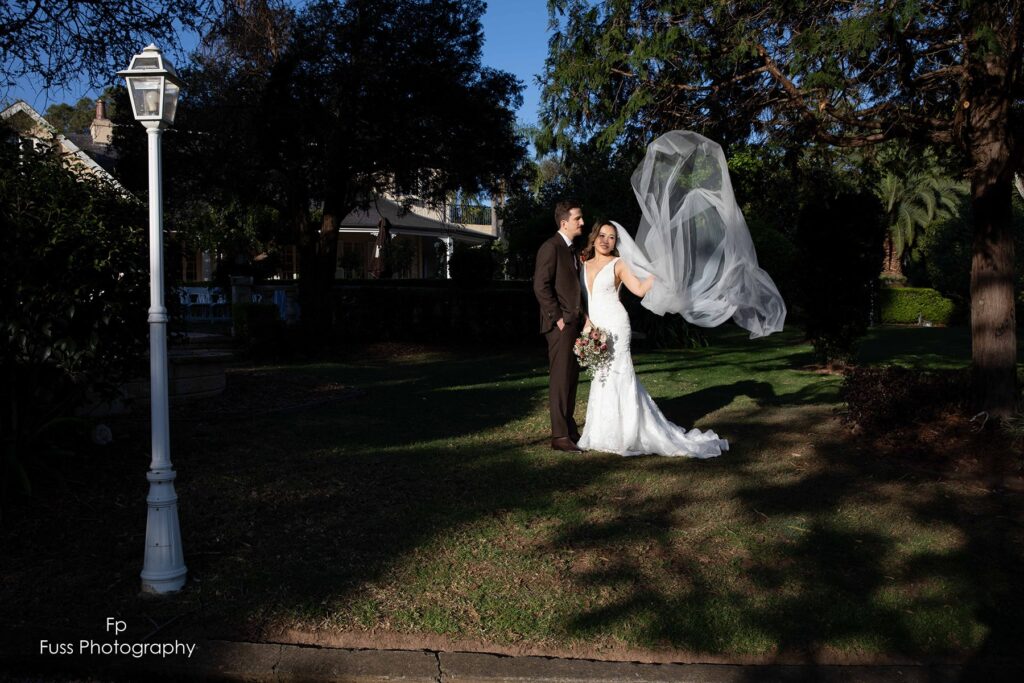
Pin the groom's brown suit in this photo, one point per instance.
(556, 284)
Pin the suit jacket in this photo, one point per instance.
(556, 284)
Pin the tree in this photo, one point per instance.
(60, 41)
(764, 178)
(846, 74)
(914, 194)
(71, 119)
(941, 255)
(362, 97)
(73, 295)
(836, 293)
(597, 177)
(225, 190)
(221, 193)
(77, 118)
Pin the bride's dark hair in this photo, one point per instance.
(588, 251)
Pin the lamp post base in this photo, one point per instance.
(162, 586)
(163, 569)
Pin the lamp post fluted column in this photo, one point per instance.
(163, 568)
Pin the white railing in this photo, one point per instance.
(204, 303)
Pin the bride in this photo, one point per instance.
(697, 259)
(621, 416)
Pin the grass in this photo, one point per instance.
(424, 503)
(937, 348)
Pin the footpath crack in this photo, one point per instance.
(277, 662)
(440, 671)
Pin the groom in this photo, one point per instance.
(556, 283)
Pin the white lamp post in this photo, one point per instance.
(153, 87)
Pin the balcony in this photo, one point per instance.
(469, 214)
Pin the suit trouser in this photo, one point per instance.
(564, 377)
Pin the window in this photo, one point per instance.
(290, 262)
(351, 259)
(189, 272)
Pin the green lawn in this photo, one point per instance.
(917, 347)
(429, 504)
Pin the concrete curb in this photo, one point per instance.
(258, 662)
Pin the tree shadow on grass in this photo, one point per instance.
(286, 515)
(690, 604)
(986, 570)
(906, 576)
(804, 578)
(278, 507)
(401, 405)
(688, 409)
(319, 543)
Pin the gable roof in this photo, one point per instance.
(77, 159)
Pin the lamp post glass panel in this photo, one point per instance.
(154, 87)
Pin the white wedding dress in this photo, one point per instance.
(621, 416)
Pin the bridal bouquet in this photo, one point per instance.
(592, 350)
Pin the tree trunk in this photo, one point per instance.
(319, 258)
(305, 242)
(893, 265)
(993, 321)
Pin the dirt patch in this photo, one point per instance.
(950, 444)
(389, 351)
(921, 421)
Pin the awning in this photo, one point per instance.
(417, 221)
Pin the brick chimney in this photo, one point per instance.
(102, 129)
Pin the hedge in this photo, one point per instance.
(441, 311)
(908, 305)
(254, 319)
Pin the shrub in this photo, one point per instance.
(73, 296)
(945, 251)
(776, 254)
(840, 241)
(436, 312)
(908, 305)
(259, 328)
(472, 266)
(253, 319)
(669, 331)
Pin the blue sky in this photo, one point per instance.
(516, 33)
(516, 37)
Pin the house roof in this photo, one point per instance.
(43, 130)
(414, 221)
(103, 155)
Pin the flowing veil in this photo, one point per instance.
(693, 239)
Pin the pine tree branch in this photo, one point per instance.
(773, 68)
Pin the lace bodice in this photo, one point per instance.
(603, 304)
